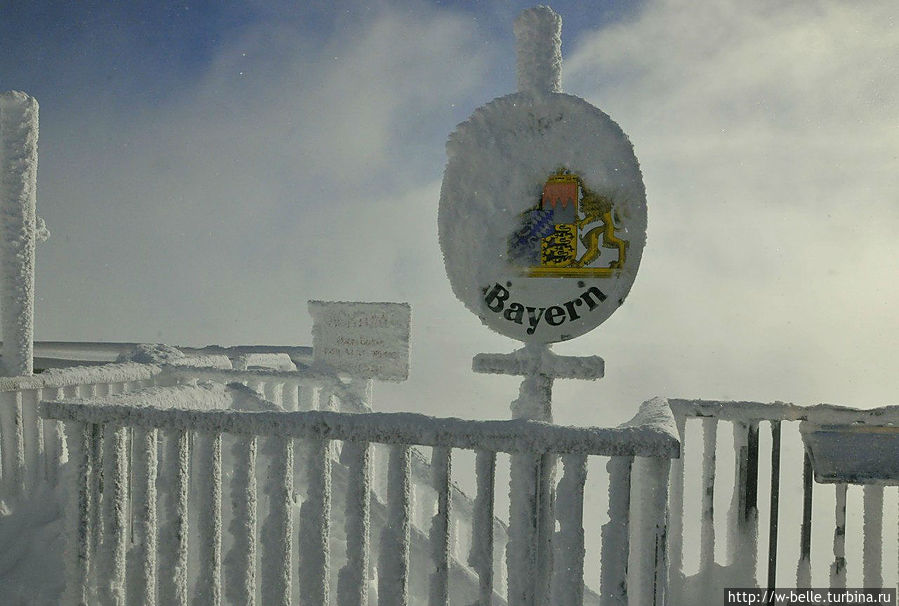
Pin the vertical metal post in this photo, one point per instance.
(803, 571)
(775, 498)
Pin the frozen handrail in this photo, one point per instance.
(783, 411)
(319, 378)
(206, 396)
(387, 428)
(81, 375)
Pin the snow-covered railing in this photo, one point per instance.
(196, 441)
(31, 450)
(302, 389)
(743, 537)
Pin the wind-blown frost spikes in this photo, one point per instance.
(18, 195)
(538, 32)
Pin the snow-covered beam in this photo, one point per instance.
(18, 227)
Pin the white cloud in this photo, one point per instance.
(283, 174)
(768, 135)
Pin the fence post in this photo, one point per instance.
(650, 576)
(18, 232)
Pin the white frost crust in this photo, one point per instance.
(81, 375)
(820, 414)
(511, 436)
(540, 360)
(205, 396)
(152, 353)
(277, 361)
(18, 195)
(204, 361)
(656, 415)
(538, 32)
(305, 377)
(498, 161)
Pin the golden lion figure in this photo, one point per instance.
(599, 208)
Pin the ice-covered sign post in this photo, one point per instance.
(542, 223)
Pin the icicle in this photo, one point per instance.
(481, 555)
(240, 563)
(315, 513)
(352, 584)
(441, 464)
(568, 582)
(393, 559)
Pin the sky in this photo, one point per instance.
(207, 168)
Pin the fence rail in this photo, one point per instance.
(744, 538)
(194, 442)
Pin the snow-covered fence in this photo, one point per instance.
(744, 563)
(31, 449)
(301, 389)
(249, 552)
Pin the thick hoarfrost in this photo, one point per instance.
(538, 32)
(278, 361)
(18, 195)
(481, 199)
(152, 353)
(533, 360)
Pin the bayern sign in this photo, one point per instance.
(542, 217)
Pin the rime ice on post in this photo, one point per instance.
(18, 192)
(538, 33)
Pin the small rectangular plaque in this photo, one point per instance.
(369, 340)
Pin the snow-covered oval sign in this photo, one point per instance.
(542, 217)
